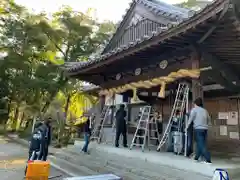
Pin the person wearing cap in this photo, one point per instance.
(200, 118)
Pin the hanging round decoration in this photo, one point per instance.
(118, 76)
(163, 64)
(138, 71)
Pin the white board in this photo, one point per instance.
(232, 118)
(234, 135)
(223, 131)
(223, 115)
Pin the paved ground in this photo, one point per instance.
(128, 169)
(13, 161)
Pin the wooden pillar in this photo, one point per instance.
(101, 102)
(197, 90)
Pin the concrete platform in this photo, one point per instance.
(168, 159)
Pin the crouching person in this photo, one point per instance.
(36, 145)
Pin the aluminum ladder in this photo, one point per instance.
(180, 103)
(146, 126)
(98, 128)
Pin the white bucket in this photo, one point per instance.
(177, 142)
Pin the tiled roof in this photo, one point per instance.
(160, 32)
(173, 13)
(169, 11)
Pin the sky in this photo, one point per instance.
(106, 9)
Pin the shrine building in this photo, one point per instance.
(158, 45)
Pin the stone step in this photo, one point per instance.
(103, 167)
(144, 166)
(71, 168)
(138, 167)
(119, 164)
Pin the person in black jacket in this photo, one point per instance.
(36, 145)
(47, 131)
(87, 134)
(121, 126)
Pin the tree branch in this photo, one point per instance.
(56, 45)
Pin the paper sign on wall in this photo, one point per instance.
(223, 131)
(234, 135)
(223, 115)
(232, 118)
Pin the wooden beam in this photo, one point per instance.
(221, 67)
(218, 78)
(150, 75)
(214, 26)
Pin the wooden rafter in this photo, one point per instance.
(215, 25)
(221, 67)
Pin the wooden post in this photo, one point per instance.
(197, 90)
(102, 102)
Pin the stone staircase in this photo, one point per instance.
(127, 168)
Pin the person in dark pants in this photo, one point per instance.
(36, 144)
(47, 131)
(175, 127)
(121, 126)
(200, 117)
(190, 140)
(140, 132)
(189, 148)
(87, 134)
(159, 127)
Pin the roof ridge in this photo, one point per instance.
(160, 2)
(164, 8)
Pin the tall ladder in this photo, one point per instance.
(146, 126)
(180, 103)
(98, 128)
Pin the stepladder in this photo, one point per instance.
(176, 119)
(97, 132)
(147, 130)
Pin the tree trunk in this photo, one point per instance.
(15, 118)
(5, 120)
(62, 82)
(67, 105)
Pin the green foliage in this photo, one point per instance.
(32, 50)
